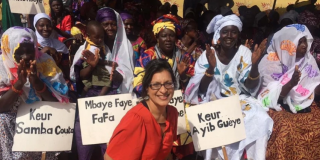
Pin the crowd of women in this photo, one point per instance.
(270, 61)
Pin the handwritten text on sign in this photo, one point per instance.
(27, 6)
(44, 126)
(99, 116)
(216, 123)
(177, 101)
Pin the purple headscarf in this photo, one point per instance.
(125, 16)
(105, 14)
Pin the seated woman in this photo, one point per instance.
(148, 130)
(166, 30)
(48, 44)
(137, 42)
(228, 69)
(117, 60)
(61, 19)
(290, 84)
(26, 76)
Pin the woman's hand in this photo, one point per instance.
(49, 50)
(293, 82)
(53, 53)
(112, 69)
(112, 64)
(257, 52)
(210, 53)
(91, 59)
(34, 76)
(295, 77)
(249, 43)
(183, 64)
(22, 75)
(193, 46)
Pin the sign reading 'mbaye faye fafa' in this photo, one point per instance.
(99, 116)
(44, 126)
(216, 123)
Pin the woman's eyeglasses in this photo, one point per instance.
(157, 86)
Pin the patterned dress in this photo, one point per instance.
(295, 136)
(139, 46)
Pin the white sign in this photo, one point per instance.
(27, 6)
(99, 116)
(216, 123)
(44, 126)
(177, 102)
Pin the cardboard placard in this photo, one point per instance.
(177, 101)
(27, 6)
(44, 126)
(216, 123)
(99, 116)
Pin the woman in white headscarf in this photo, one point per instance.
(26, 76)
(45, 35)
(118, 48)
(48, 44)
(119, 62)
(228, 69)
(290, 84)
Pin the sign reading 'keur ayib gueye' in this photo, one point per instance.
(177, 102)
(216, 123)
(44, 126)
(99, 116)
(27, 6)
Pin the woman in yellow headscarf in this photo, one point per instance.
(167, 30)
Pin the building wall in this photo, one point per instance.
(262, 4)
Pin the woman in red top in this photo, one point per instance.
(61, 19)
(148, 130)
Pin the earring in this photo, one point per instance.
(218, 42)
(237, 45)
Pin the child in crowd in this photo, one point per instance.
(94, 43)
